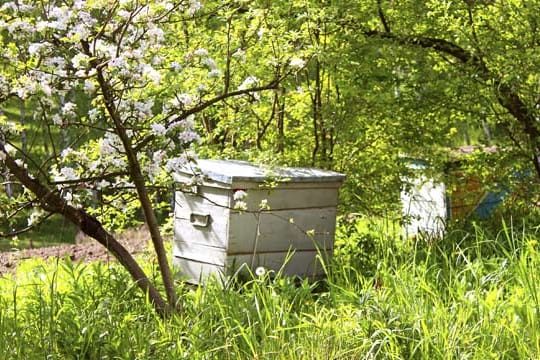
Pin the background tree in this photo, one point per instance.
(112, 92)
(383, 79)
(487, 52)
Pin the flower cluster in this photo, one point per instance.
(103, 69)
(239, 197)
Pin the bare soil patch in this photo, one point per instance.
(136, 241)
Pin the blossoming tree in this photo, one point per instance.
(107, 85)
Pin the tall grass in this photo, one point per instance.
(467, 296)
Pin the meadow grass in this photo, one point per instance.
(53, 231)
(467, 296)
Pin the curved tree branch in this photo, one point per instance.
(51, 201)
(382, 16)
(507, 97)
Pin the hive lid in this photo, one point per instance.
(231, 171)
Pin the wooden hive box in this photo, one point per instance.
(213, 238)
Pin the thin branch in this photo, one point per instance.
(26, 229)
(439, 45)
(272, 85)
(90, 178)
(382, 16)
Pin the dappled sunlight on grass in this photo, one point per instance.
(469, 297)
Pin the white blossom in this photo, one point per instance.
(185, 99)
(189, 122)
(210, 63)
(158, 129)
(156, 34)
(152, 74)
(239, 195)
(67, 173)
(201, 52)
(109, 145)
(175, 125)
(248, 82)
(118, 162)
(260, 271)
(240, 54)
(9, 6)
(79, 60)
(20, 163)
(94, 165)
(68, 109)
(10, 150)
(157, 60)
(79, 31)
(263, 205)
(26, 87)
(194, 6)
(144, 108)
(124, 14)
(35, 216)
(152, 170)
(85, 17)
(19, 29)
(71, 199)
(240, 205)
(102, 184)
(118, 62)
(188, 136)
(4, 86)
(167, 6)
(175, 66)
(297, 63)
(159, 156)
(89, 87)
(260, 33)
(175, 164)
(35, 48)
(134, 54)
(214, 73)
(47, 90)
(66, 152)
(93, 114)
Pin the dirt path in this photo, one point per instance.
(136, 241)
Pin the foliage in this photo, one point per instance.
(116, 101)
(103, 100)
(471, 295)
(51, 231)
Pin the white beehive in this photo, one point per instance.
(212, 237)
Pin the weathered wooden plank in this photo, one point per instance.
(291, 198)
(214, 234)
(299, 215)
(202, 220)
(306, 229)
(196, 251)
(232, 172)
(301, 263)
(196, 272)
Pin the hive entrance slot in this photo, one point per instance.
(200, 220)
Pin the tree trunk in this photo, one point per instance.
(138, 179)
(51, 201)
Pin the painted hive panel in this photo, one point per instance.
(296, 222)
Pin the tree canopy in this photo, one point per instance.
(102, 100)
